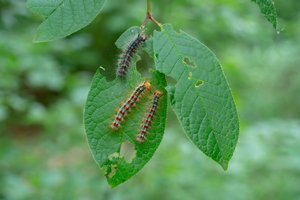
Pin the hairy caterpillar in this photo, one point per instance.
(130, 102)
(141, 137)
(128, 53)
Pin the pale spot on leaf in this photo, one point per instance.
(198, 83)
(128, 151)
(188, 62)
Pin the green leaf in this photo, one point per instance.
(201, 98)
(268, 9)
(63, 17)
(127, 36)
(117, 153)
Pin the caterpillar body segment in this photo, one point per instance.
(127, 55)
(141, 137)
(129, 104)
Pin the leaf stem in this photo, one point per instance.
(149, 16)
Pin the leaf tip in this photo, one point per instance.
(224, 165)
(38, 39)
(112, 185)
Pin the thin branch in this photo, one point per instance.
(148, 6)
(149, 16)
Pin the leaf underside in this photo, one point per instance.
(268, 9)
(201, 98)
(63, 17)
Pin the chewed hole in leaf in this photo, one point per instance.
(113, 170)
(110, 166)
(198, 83)
(113, 156)
(188, 62)
(128, 151)
(104, 170)
(109, 170)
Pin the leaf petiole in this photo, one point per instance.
(150, 17)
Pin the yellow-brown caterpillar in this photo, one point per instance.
(141, 137)
(130, 102)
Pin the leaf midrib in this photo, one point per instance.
(54, 9)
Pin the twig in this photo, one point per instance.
(149, 16)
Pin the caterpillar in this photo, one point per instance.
(141, 137)
(130, 102)
(126, 56)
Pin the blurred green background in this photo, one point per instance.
(43, 87)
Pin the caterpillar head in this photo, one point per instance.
(147, 85)
(158, 93)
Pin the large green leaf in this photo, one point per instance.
(267, 8)
(63, 17)
(201, 98)
(117, 153)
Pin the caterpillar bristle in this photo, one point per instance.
(126, 107)
(127, 55)
(146, 124)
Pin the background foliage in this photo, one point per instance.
(43, 87)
